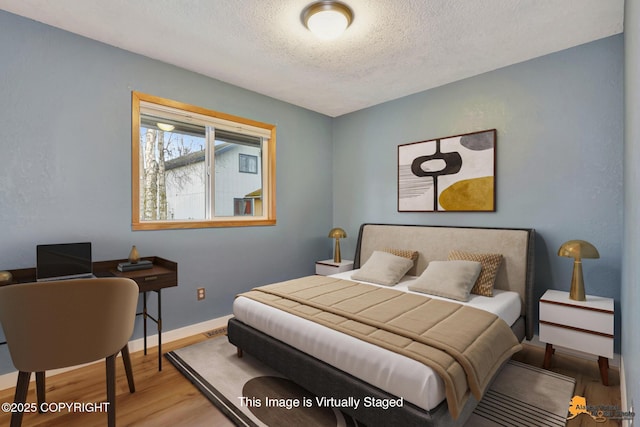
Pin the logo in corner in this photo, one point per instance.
(599, 413)
(578, 406)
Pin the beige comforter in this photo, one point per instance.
(464, 345)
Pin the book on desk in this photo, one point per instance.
(143, 264)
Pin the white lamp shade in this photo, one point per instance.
(327, 24)
(166, 127)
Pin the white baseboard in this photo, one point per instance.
(10, 379)
(176, 334)
(624, 403)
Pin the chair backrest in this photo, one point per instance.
(58, 324)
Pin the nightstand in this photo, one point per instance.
(585, 326)
(328, 267)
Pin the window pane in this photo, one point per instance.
(248, 163)
(232, 183)
(173, 181)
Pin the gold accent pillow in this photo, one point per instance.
(405, 253)
(490, 265)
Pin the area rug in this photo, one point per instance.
(251, 394)
(525, 396)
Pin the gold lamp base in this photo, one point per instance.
(336, 252)
(576, 292)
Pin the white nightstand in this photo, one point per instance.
(585, 326)
(328, 266)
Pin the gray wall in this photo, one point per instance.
(559, 121)
(65, 138)
(631, 254)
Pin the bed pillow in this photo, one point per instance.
(383, 268)
(449, 279)
(490, 265)
(406, 253)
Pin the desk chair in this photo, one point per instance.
(66, 323)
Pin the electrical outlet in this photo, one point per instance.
(200, 294)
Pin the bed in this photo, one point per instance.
(329, 363)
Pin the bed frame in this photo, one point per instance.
(432, 243)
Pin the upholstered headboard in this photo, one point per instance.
(435, 242)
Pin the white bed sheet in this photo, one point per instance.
(396, 374)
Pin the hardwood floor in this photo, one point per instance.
(162, 398)
(588, 384)
(166, 398)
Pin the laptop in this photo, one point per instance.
(63, 261)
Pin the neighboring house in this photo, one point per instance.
(237, 181)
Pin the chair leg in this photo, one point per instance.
(111, 390)
(20, 397)
(126, 359)
(40, 389)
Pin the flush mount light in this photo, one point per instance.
(327, 19)
(166, 127)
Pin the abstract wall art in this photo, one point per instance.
(452, 174)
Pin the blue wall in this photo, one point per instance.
(631, 271)
(559, 121)
(65, 176)
(65, 138)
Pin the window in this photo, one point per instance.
(243, 206)
(248, 163)
(196, 168)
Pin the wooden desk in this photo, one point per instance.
(163, 274)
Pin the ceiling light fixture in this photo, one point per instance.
(166, 127)
(327, 19)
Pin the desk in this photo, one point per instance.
(163, 274)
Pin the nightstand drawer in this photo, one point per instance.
(577, 317)
(578, 340)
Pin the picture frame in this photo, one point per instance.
(452, 174)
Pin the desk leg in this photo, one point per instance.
(158, 320)
(144, 320)
(159, 329)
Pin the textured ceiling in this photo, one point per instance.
(392, 49)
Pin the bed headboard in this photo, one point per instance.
(435, 242)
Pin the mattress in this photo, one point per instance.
(389, 371)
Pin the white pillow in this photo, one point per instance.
(383, 268)
(449, 279)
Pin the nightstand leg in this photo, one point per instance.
(603, 363)
(546, 364)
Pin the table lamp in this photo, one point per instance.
(337, 233)
(578, 249)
